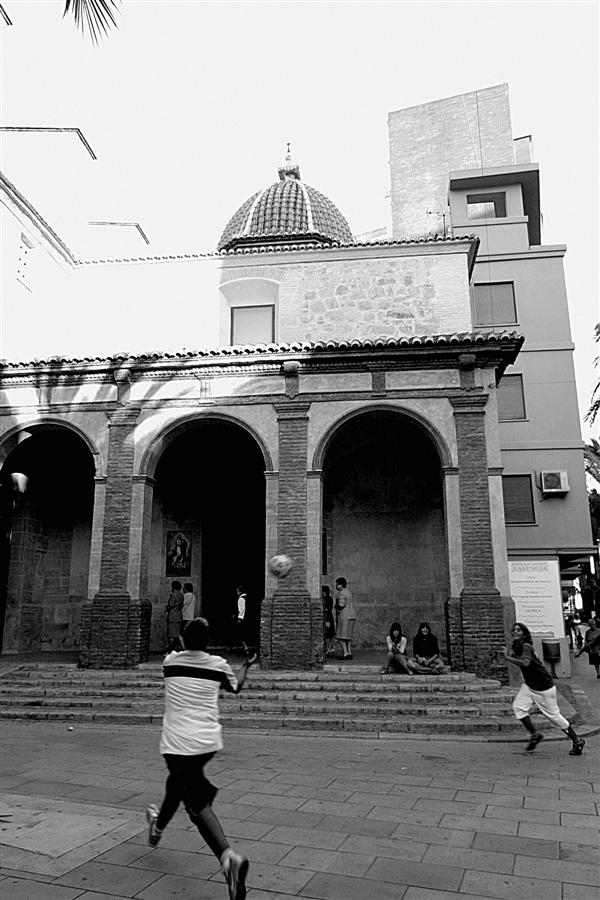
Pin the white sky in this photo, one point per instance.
(188, 106)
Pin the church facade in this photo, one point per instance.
(346, 408)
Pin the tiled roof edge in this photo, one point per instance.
(281, 248)
(474, 338)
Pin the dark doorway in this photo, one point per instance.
(46, 536)
(383, 523)
(210, 484)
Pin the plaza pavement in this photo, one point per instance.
(329, 818)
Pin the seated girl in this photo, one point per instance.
(396, 644)
(426, 657)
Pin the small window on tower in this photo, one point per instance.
(486, 206)
(494, 303)
(252, 324)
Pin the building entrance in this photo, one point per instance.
(383, 523)
(209, 504)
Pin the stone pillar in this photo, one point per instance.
(287, 627)
(141, 529)
(475, 618)
(114, 629)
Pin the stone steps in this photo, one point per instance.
(357, 699)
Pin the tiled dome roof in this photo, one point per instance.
(288, 211)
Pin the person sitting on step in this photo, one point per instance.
(426, 658)
(396, 658)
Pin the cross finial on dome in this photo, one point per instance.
(289, 170)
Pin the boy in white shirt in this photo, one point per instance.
(191, 735)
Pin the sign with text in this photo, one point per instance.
(535, 588)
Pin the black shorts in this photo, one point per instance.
(188, 781)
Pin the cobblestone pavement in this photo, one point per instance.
(319, 817)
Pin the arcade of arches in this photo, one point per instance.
(395, 494)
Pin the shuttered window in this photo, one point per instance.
(252, 324)
(494, 303)
(518, 500)
(511, 399)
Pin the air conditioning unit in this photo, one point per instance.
(554, 483)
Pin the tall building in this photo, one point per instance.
(348, 406)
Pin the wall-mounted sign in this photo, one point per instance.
(535, 588)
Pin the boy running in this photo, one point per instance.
(191, 735)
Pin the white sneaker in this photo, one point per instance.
(235, 868)
(154, 835)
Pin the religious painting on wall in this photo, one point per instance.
(179, 554)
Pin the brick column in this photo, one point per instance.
(475, 618)
(287, 639)
(114, 625)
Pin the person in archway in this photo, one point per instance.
(188, 610)
(191, 736)
(537, 690)
(346, 616)
(174, 616)
(328, 621)
(241, 619)
(426, 658)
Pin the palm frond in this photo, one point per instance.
(96, 17)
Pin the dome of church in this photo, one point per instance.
(287, 212)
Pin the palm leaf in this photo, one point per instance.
(94, 16)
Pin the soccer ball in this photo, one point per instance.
(280, 565)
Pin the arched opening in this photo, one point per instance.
(46, 537)
(383, 523)
(208, 525)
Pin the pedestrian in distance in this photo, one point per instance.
(537, 690)
(328, 621)
(346, 617)
(591, 646)
(241, 619)
(188, 610)
(396, 656)
(191, 735)
(426, 657)
(174, 617)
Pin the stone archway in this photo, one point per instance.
(209, 487)
(384, 523)
(46, 535)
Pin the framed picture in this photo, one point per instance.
(179, 554)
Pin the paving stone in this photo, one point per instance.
(123, 854)
(558, 870)
(357, 826)
(328, 861)
(479, 824)
(417, 893)
(27, 889)
(585, 807)
(481, 860)
(575, 892)
(543, 816)
(578, 853)
(507, 887)
(401, 871)
(524, 846)
(450, 806)
(260, 851)
(178, 862)
(572, 820)
(178, 887)
(385, 847)
(586, 836)
(324, 886)
(284, 817)
(428, 835)
(304, 837)
(284, 879)
(344, 809)
(273, 802)
(393, 814)
(107, 877)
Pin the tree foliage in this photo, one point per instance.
(96, 17)
(594, 409)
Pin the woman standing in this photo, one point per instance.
(174, 616)
(537, 690)
(328, 621)
(346, 616)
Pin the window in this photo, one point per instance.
(252, 324)
(511, 399)
(518, 500)
(486, 206)
(494, 303)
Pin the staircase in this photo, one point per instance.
(342, 699)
